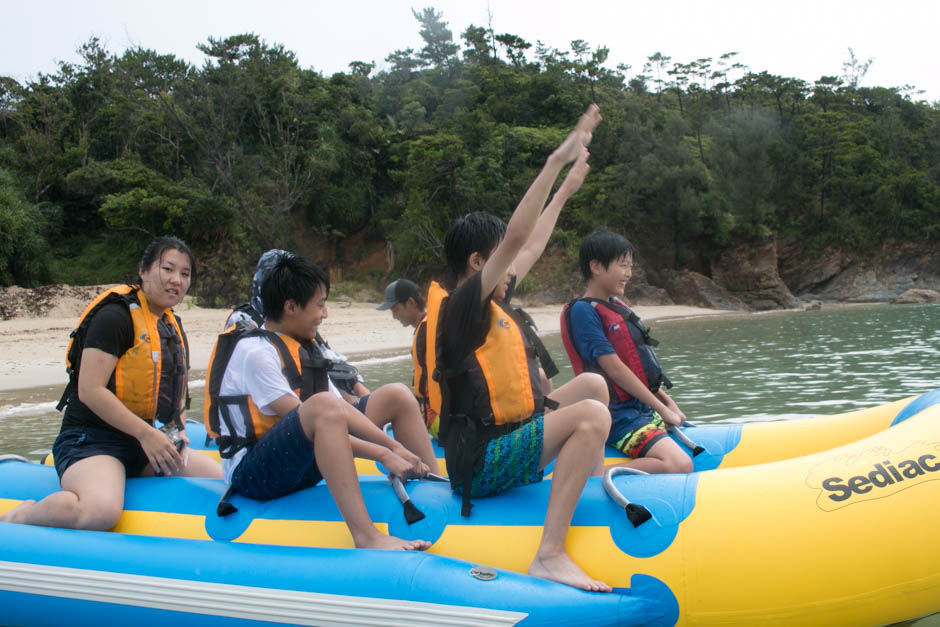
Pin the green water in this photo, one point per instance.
(725, 368)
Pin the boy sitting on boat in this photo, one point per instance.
(279, 424)
(484, 380)
(389, 404)
(601, 334)
(344, 375)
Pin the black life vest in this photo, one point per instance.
(343, 375)
(301, 364)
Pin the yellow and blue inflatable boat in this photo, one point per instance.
(712, 446)
(841, 536)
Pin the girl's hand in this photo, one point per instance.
(163, 456)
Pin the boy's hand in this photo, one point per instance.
(671, 418)
(404, 464)
(580, 137)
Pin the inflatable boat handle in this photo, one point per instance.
(225, 507)
(412, 513)
(686, 440)
(636, 514)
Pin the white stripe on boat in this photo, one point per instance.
(235, 601)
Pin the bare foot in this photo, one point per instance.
(561, 568)
(15, 515)
(391, 543)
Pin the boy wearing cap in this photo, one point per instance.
(408, 306)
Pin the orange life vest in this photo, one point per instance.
(138, 372)
(503, 370)
(502, 377)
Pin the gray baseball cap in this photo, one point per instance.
(398, 292)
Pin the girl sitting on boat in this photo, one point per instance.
(128, 361)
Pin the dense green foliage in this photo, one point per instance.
(251, 151)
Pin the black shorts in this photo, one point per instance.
(76, 444)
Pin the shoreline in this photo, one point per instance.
(34, 347)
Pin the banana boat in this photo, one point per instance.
(838, 536)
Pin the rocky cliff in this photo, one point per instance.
(785, 276)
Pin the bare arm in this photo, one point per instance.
(526, 214)
(620, 374)
(533, 248)
(393, 462)
(95, 371)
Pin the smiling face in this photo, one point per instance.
(166, 281)
(613, 279)
(302, 321)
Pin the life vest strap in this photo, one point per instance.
(230, 444)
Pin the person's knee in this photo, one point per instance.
(679, 464)
(595, 387)
(322, 410)
(401, 395)
(97, 515)
(396, 400)
(595, 417)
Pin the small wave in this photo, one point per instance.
(380, 360)
(27, 409)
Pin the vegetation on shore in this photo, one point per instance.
(251, 151)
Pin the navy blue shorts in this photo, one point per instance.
(361, 403)
(76, 444)
(280, 463)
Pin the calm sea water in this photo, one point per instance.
(725, 368)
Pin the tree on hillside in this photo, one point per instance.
(439, 46)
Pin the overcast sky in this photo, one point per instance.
(795, 38)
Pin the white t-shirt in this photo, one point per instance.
(254, 369)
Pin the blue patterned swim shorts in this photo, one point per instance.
(512, 460)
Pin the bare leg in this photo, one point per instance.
(664, 456)
(324, 422)
(586, 385)
(545, 382)
(394, 403)
(92, 497)
(198, 465)
(574, 434)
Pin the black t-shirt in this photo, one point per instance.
(420, 340)
(111, 330)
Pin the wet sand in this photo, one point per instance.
(33, 348)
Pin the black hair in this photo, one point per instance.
(292, 278)
(603, 246)
(476, 232)
(158, 246)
